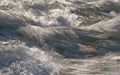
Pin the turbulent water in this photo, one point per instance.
(59, 37)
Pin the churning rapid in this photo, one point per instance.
(59, 37)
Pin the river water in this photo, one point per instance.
(59, 37)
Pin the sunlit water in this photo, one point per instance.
(59, 37)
